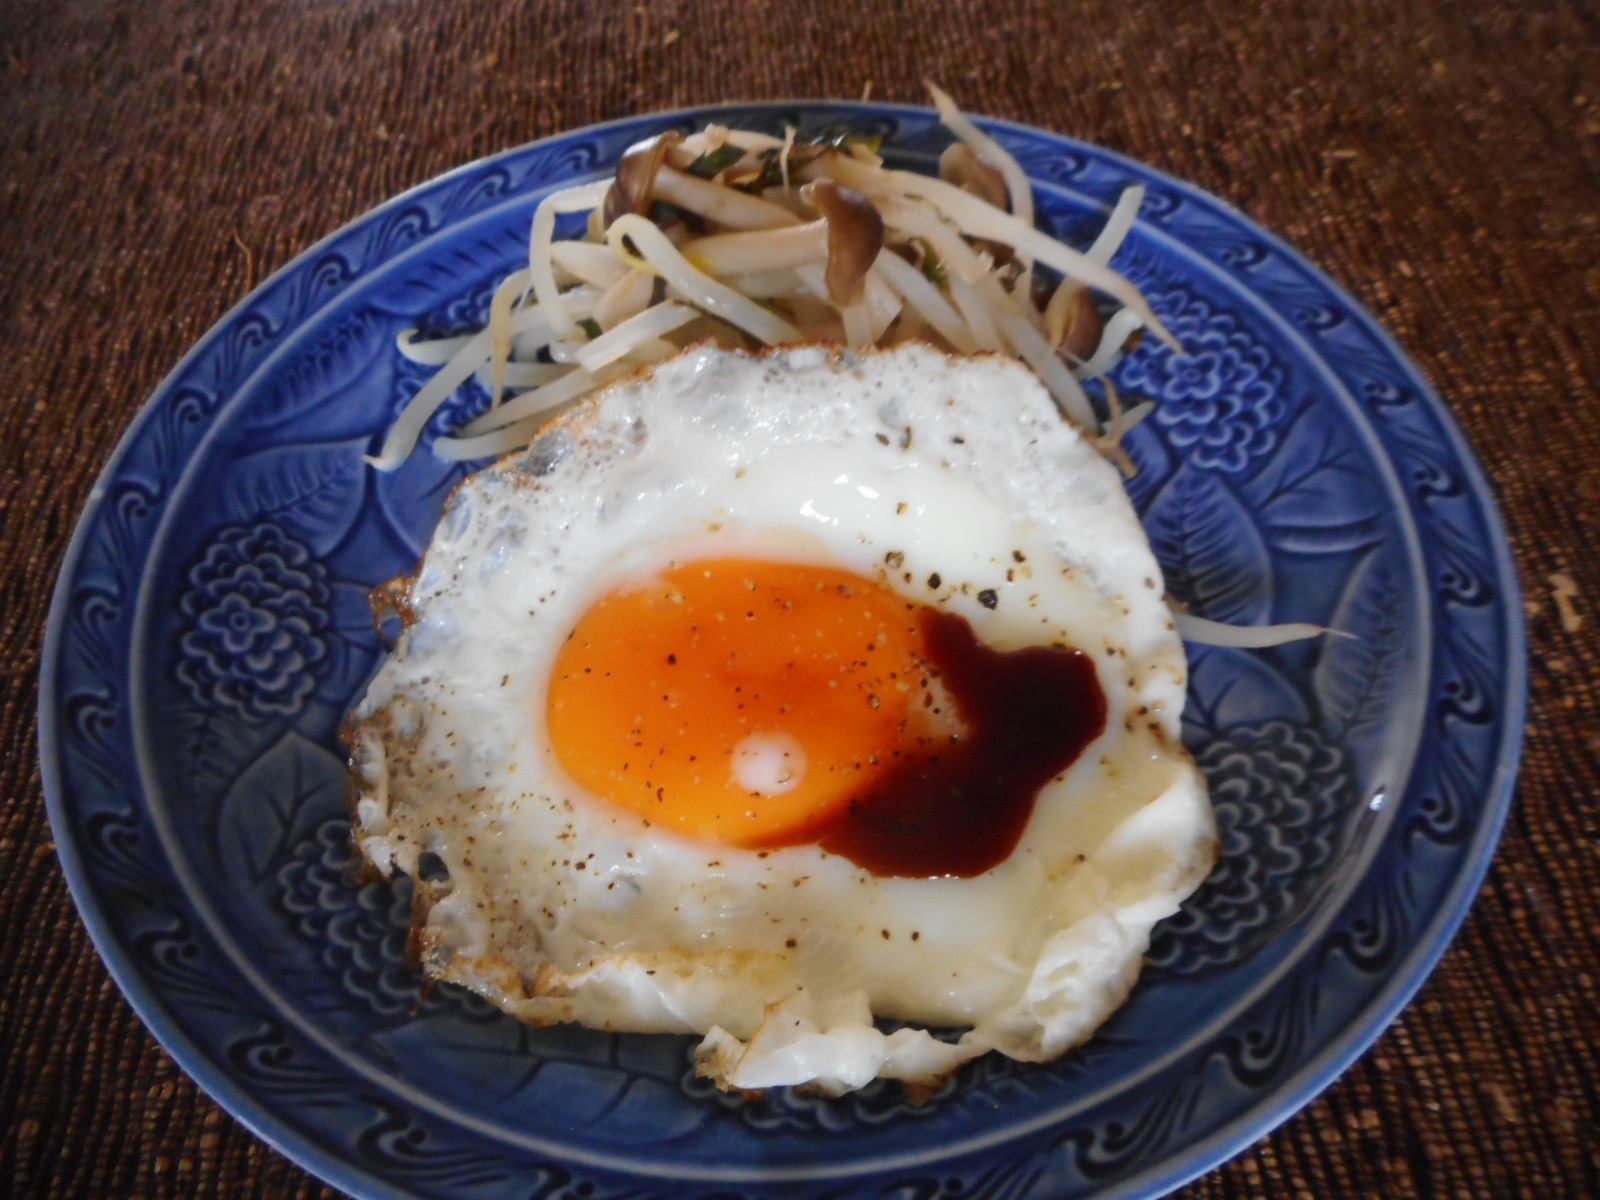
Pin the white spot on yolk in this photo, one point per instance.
(769, 763)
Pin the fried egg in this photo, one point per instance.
(774, 698)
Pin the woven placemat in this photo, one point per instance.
(1441, 160)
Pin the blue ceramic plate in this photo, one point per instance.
(210, 628)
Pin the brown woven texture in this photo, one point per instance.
(1441, 160)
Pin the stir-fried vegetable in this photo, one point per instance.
(754, 240)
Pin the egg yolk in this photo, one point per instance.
(741, 700)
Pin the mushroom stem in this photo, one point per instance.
(760, 250)
(724, 205)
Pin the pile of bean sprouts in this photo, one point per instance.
(750, 240)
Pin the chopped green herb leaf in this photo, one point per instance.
(932, 265)
(833, 137)
(713, 162)
(662, 214)
(770, 175)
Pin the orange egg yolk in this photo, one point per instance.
(740, 700)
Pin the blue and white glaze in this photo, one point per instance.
(211, 627)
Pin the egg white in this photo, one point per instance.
(901, 465)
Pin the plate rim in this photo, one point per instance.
(1285, 1099)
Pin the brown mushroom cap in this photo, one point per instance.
(855, 237)
(636, 176)
(1081, 329)
(961, 166)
